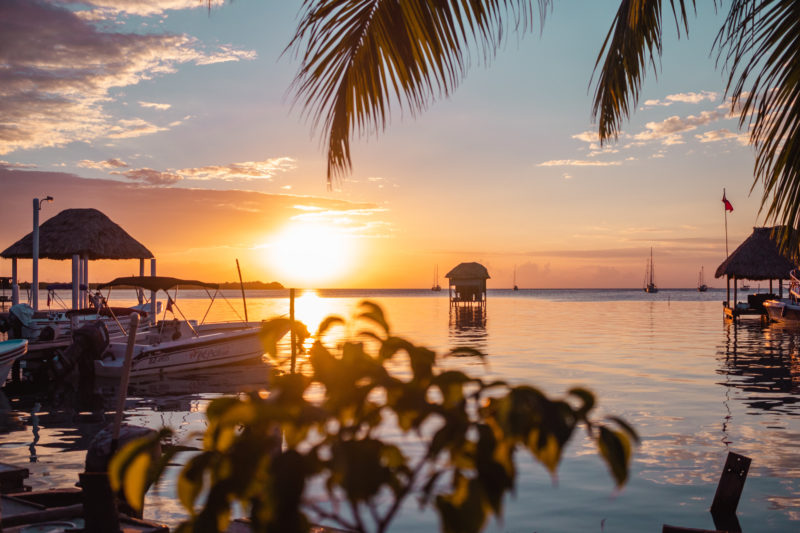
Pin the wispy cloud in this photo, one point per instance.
(59, 71)
(249, 170)
(669, 130)
(143, 8)
(150, 176)
(723, 134)
(578, 163)
(687, 98)
(103, 165)
(6, 164)
(154, 105)
(354, 221)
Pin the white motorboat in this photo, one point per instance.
(786, 310)
(179, 344)
(10, 351)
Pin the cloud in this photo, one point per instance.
(58, 72)
(145, 8)
(669, 129)
(102, 165)
(150, 176)
(348, 219)
(578, 163)
(590, 136)
(249, 170)
(154, 105)
(723, 134)
(127, 128)
(6, 164)
(687, 98)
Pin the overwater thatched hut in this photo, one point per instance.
(467, 285)
(81, 235)
(758, 258)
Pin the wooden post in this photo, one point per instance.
(123, 383)
(730, 485)
(14, 282)
(241, 284)
(291, 318)
(76, 281)
(728, 297)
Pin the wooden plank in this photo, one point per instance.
(731, 484)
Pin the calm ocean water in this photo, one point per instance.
(694, 387)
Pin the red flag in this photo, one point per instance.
(728, 206)
(169, 304)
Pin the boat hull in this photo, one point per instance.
(10, 351)
(784, 312)
(216, 349)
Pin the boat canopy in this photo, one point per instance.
(156, 283)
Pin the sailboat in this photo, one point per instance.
(649, 275)
(701, 282)
(515, 278)
(436, 287)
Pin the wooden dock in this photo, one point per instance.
(736, 313)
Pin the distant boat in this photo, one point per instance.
(515, 279)
(701, 282)
(745, 287)
(436, 287)
(649, 275)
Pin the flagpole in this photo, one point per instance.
(725, 210)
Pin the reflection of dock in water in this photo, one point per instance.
(763, 363)
(468, 328)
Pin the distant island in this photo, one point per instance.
(254, 285)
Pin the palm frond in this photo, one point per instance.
(760, 45)
(633, 42)
(359, 57)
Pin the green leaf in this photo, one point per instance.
(587, 397)
(326, 324)
(190, 479)
(626, 427)
(374, 313)
(615, 449)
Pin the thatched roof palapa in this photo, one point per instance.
(468, 271)
(85, 232)
(759, 257)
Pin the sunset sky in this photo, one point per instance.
(177, 122)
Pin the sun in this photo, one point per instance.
(310, 254)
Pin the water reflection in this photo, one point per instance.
(764, 364)
(468, 328)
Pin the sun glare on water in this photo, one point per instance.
(310, 254)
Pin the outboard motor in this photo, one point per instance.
(73, 369)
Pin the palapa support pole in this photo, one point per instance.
(14, 282)
(241, 285)
(153, 305)
(76, 281)
(85, 283)
(140, 292)
(291, 319)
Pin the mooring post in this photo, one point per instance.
(729, 490)
(292, 335)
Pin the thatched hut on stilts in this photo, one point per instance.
(758, 258)
(81, 235)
